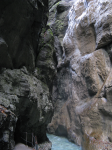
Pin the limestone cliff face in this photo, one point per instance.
(68, 69)
(82, 88)
(27, 69)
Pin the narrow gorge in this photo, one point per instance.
(55, 72)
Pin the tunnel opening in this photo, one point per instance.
(23, 137)
(17, 133)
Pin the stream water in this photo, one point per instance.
(61, 143)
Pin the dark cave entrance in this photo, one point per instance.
(27, 136)
(22, 137)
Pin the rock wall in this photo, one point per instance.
(67, 71)
(27, 69)
(82, 87)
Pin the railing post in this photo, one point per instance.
(32, 139)
(26, 138)
(36, 144)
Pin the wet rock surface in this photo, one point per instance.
(82, 90)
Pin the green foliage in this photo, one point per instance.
(51, 33)
(59, 25)
(54, 7)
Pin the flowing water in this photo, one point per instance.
(61, 143)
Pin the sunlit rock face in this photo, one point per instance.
(82, 91)
(90, 20)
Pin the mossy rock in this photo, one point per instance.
(45, 60)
